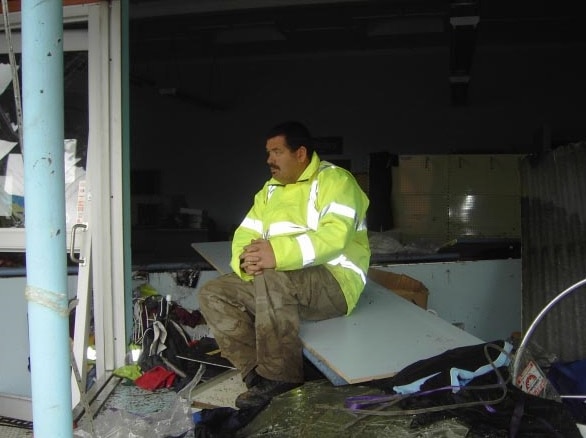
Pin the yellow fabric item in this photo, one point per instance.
(328, 229)
(146, 290)
(130, 372)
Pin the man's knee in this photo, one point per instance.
(207, 292)
(217, 288)
(214, 286)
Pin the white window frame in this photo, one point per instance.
(13, 239)
(104, 274)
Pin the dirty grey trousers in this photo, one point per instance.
(256, 323)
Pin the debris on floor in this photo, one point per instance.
(311, 411)
(205, 403)
(131, 411)
(221, 391)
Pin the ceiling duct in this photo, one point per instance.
(464, 19)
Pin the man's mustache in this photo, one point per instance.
(272, 166)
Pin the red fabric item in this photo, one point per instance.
(155, 378)
(184, 317)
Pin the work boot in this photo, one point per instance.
(263, 392)
(251, 379)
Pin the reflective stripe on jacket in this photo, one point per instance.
(320, 219)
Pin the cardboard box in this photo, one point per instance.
(401, 284)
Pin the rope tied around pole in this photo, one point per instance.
(51, 300)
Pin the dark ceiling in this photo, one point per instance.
(312, 26)
(241, 28)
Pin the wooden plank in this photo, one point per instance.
(384, 333)
(216, 254)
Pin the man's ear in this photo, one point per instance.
(302, 153)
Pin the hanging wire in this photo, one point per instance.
(538, 318)
(15, 80)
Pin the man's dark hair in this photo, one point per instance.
(296, 135)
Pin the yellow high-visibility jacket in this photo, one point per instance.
(320, 219)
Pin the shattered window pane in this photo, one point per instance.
(12, 205)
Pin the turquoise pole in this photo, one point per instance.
(46, 251)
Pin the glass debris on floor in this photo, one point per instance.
(220, 391)
(134, 412)
(138, 401)
(312, 411)
(173, 421)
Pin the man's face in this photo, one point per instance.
(286, 166)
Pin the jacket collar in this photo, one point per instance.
(309, 171)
